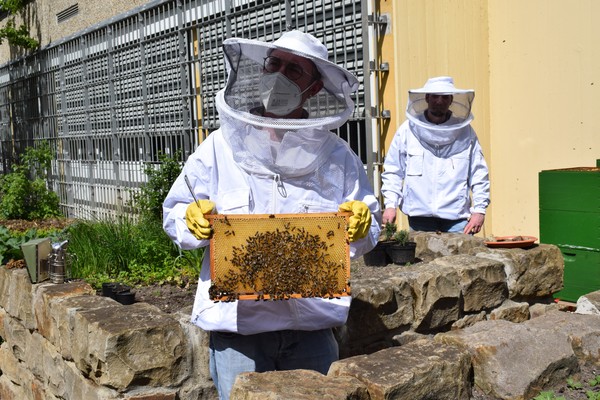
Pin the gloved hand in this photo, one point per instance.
(360, 220)
(195, 220)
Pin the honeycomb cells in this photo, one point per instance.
(290, 258)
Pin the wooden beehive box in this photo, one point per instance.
(279, 256)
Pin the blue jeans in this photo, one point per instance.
(434, 224)
(231, 354)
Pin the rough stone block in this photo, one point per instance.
(418, 370)
(46, 296)
(536, 272)
(583, 331)
(16, 295)
(135, 345)
(296, 385)
(511, 311)
(497, 347)
(435, 245)
(482, 281)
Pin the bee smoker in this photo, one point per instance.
(57, 267)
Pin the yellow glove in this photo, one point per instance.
(194, 218)
(360, 220)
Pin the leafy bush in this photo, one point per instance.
(23, 192)
(160, 179)
(11, 241)
(135, 252)
(16, 36)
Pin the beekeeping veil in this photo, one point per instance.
(302, 144)
(452, 136)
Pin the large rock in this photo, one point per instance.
(132, 345)
(308, 385)
(583, 332)
(435, 245)
(382, 306)
(418, 370)
(589, 303)
(16, 295)
(514, 361)
(482, 283)
(56, 307)
(424, 297)
(532, 273)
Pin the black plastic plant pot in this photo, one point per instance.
(402, 254)
(119, 288)
(378, 257)
(108, 289)
(125, 297)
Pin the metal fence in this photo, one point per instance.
(111, 99)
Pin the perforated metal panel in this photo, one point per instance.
(111, 99)
(276, 257)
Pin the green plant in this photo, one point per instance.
(10, 245)
(390, 232)
(11, 241)
(591, 395)
(136, 253)
(16, 36)
(549, 395)
(595, 381)
(160, 179)
(24, 193)
(573, 384)
(402, 237)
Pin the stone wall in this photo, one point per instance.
(64, 342)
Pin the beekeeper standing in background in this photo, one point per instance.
(434, 169)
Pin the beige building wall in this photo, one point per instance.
(41, 17)
(433, 38)
(535, 68)
(544, 99)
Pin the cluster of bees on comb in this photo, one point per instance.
(275, 265)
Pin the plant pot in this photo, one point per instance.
(108, 289)
(378, 257)
(125, 297)
(401, 254)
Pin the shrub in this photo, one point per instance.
(160, 179)
(24, 193)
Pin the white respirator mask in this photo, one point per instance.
(279, 95)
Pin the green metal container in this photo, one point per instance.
(569, 202)
(582, 273)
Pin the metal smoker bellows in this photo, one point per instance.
(57, 266)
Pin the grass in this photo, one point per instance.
(136, 253)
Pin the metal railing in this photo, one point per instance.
(111, 99)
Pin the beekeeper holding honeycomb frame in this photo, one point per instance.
(274, 153)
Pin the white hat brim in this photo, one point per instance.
(332, 74)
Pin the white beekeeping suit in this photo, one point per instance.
(437, 170)
(254, 164)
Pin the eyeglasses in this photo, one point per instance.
(292, 70)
